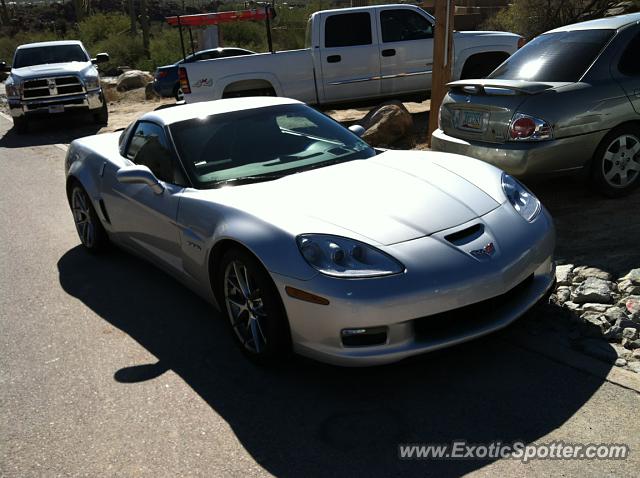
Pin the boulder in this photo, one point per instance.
(386, 124)
(633, 276)
(593, 289)
(149, 92)
(132, 79)
(583, 273)
(563, 274)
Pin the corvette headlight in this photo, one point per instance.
(14, 90)
(92, 82)
(522, 200)
(342, 257)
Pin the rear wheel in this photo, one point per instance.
(616, 163)
(90, 230)
(253, 307)
(20, 125)
(177, 92)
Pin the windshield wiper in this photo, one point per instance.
(247, 180)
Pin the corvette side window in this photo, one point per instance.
(148, 147)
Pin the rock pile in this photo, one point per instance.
(605, 308)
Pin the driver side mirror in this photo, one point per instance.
(139, 175)
(357, 130)
(4, 66)
(100, 58)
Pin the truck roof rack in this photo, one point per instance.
(267, 13)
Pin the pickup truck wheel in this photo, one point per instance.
(615, 170)
(90, 230)
(253, 307)
(20, 125)
(102, 116)
(177, 92)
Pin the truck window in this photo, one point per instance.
(348, 29)
(404, 25)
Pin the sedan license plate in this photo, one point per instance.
(471, 120)
(56, 109)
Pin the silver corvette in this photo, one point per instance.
(307, 238)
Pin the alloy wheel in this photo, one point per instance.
(621, 161)
(82, 217)
(245, 307)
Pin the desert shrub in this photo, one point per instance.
(102, 26)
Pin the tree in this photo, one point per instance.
(4, 13)
(532, 17)
(132, 16)
(144, 23)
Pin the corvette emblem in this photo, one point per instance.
(484, 253)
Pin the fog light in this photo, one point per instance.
(363, 337)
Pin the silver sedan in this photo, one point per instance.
(569, 101)
(307, 238)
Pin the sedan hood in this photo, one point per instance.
(52, 69)
(394, 197)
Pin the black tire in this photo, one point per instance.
(20, 125)
(88, 225)
(102, 116)
(615, 168)
(264, 315)
(177, 92)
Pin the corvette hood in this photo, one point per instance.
(394, 197)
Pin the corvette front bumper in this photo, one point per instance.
(445, 297)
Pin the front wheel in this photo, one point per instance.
(616, 163)
(102, 116)
(253, 307)
(20, 125)
(90, 230)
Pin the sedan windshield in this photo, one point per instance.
(48, 54)
(262, 144)
(559, 56)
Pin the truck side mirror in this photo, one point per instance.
(4, 66)
(100, 58)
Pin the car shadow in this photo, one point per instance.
(591, 229)
(306, 418)
(49, 130)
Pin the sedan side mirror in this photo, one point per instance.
(357, 130)
(100, 58)
(139, 174)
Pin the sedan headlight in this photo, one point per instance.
(92, 82)
(522, 200)
(14, 90)
(347, 258)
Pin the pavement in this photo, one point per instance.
(108, 367)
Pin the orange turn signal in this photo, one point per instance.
(306, 296)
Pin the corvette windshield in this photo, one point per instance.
(262, 144)
(49, 54)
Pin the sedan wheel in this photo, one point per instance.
(90, 230)
(253, 306)
(618, 170)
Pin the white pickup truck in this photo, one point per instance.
(50, 78)
(352, 54)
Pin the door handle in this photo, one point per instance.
(334, 59)
(389, 52)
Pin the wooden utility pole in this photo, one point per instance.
(442, 58)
